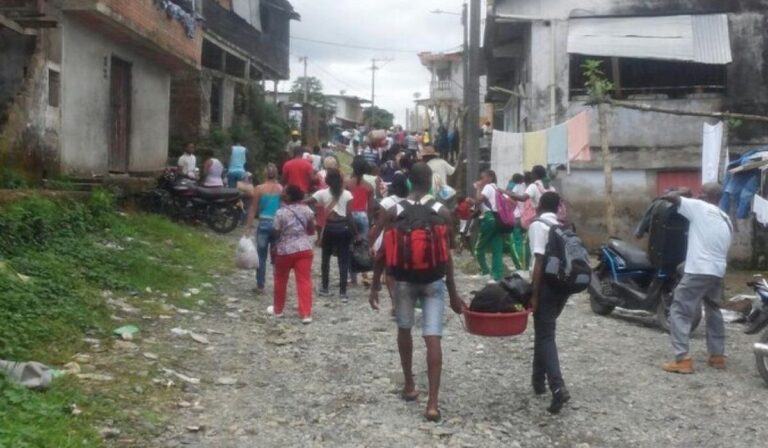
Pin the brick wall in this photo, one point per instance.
(145, 18)
(186, 106)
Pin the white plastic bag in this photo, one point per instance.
(246, 256)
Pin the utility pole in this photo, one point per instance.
(610, 208)
(306, 82)
(468, 181)
(472, 89)
(373, 70)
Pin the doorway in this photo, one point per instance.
(120, 103)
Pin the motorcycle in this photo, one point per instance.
(625, 278)
(758, 320)
(182, 199)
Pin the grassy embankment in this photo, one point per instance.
(59, 262)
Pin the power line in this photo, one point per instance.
(356, 47)
(345, 83)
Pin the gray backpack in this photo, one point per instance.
(567, 266)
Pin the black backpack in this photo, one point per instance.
(567, 266)
(511, 295)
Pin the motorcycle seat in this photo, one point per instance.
(635, 257)
(218, 193)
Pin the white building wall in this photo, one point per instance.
(85, 104)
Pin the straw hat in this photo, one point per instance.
(427, 151)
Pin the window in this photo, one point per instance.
(54, 88)
(234, 66)
(216, 98)
(213, 56)
(632, 77)
(443, 74)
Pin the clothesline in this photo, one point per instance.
(513, 152)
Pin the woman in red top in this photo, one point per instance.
(464, 212)
(362, 202)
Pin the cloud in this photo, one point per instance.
(388, 25)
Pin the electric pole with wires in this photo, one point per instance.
(373, 70)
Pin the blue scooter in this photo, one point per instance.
(625, 278)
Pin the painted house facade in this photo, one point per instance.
(695, 55)
(85, 84)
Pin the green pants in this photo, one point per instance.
(519, 248)
(490, 238)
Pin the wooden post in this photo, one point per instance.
(610, 209)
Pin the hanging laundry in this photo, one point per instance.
(760, 207)
(506, 155)
(710, 152)
(578, 138)
(557, 145)
(535, 145)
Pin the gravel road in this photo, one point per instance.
(335, 383)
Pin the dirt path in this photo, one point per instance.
(335, 382)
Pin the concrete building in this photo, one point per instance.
(245, 42)
(702, 55)
(349, 111)
(85, 84)
(446, 90)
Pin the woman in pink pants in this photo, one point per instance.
(293, 227)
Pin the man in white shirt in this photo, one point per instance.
(438, 165)
(547, 303)
(709, 239)
(188, 162)
(489, 237)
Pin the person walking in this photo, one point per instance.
(236, 169)
(489, 237)
(298, 171)
(293, 227)
(437, 164)
(709, 239)
(362, 202)
(338, 232)
(213, 170)
(264, 203)
(547, 303)
(427, 285)
(517, 187)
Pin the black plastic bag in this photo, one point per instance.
(360, 259)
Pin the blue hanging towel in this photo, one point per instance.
(557, 145)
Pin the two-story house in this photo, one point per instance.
(446, 89)
(85, 84)
(244, 42)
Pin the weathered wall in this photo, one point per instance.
(29, 128)
(86, 104)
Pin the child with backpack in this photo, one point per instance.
(465, 213)
(416, 251)
(560, 268)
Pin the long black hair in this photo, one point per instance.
(359, 168)
(335, 182)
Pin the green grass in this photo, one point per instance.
(57, 260)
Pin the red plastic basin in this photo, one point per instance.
(496, 324)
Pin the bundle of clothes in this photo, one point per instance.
(181, 10)
(511, 295)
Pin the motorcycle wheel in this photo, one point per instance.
(762, 361)
(223, 218)
(662, 314)
(595, 289)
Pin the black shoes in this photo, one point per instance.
(559, 398)
(539, 387)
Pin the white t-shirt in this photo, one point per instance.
(441, 167)
(538, 235)
(709, 238)
(188, 163)
(535, 190)
(519, 190)
(390, 201)
(489, 192)
(325, 198)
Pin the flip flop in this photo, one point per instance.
(433, 417)
(411, 397)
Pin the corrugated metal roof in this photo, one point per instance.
(701, 38)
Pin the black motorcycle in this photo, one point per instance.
(182, 199)
(757, 321)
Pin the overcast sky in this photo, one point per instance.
(391, 25)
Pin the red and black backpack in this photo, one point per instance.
(416, 247)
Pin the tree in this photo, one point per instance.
(315, 91)
(382, 119)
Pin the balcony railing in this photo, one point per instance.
(446, 90)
